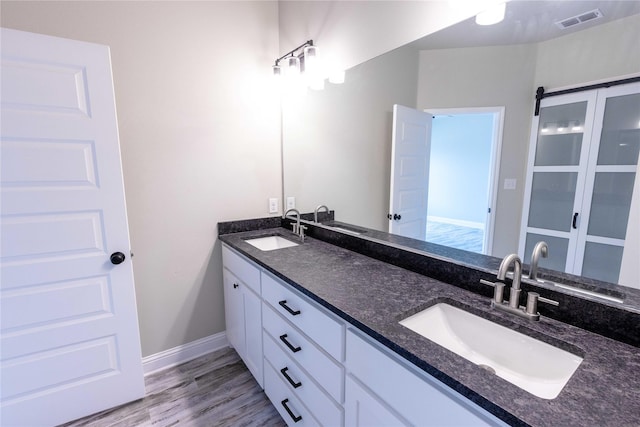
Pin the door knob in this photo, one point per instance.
(117, 258)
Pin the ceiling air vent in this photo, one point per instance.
(579, 19)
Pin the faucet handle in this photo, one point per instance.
(498, 294)
(532, 302)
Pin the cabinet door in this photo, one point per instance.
(561, 137)
(252, 306)
(610, 180)
(234, 312)
(362, 409)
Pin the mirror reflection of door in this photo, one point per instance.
(410, 151)
(460, 196)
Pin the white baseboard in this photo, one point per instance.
(183, 353)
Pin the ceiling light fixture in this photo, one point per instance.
(492, 15)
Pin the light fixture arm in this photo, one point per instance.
(291, 53)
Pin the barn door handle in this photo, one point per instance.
(575, 220)
(117, 258)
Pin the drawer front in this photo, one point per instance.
(422, 401)
(324, 409)
(288, 406)
(327, 372)
(241, 268)
(317, 325)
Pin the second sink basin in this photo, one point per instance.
(270, 243)
(533, 365)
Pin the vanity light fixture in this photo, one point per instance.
(492, 15)
(304, 61)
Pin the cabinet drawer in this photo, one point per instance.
(301, 385)
(318, 326)
(327, 372)
(241, 268)
(283, 399)
(421, 400)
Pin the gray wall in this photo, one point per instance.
(336, 142)
(489, 77)
(200, 139)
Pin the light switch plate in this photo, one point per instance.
(510, 184)
(273, 205)
(291, 202)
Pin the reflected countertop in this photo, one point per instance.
(373, 295)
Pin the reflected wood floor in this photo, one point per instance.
(455, 236)
(213, 390)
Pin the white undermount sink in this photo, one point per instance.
(271, 243)
(533, 365)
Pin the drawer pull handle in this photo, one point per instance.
(235, 286)
(291, 381)
(283, 303)
(293, 417)
(283, 338)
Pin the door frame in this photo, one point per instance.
(494, 162)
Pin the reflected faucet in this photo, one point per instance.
(514, 294)
(315, 213)
(541, 248)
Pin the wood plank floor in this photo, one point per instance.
(214, 390)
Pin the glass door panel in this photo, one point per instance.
(602, 262)
(560, 132)
(552, 199)
(620, 138)
(610, 204)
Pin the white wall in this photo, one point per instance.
(199, 134)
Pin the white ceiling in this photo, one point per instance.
(527, 21)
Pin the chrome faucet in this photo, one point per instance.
(296, 226)
(530, 311)
(315, 213)
(541, 248)
(514, 294)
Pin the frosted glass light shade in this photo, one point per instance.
(292, 67)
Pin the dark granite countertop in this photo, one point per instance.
(373, 296)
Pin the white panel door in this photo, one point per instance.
(410, 152)
(70, 343)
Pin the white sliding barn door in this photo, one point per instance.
(410, 154)
(70, 343)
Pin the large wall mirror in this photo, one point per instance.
(337, 142)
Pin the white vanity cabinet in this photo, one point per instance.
(383, 390)
(303, 350)
(243, 310)
(319, 373)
